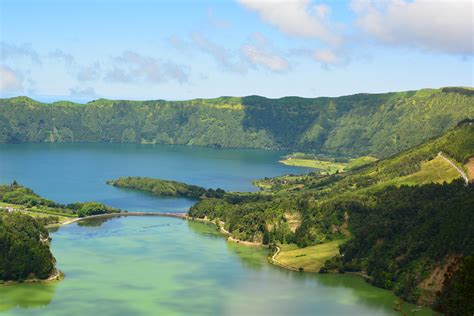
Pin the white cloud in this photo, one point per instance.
(223, 57)
(296, 17)
(179, 44)
(12, 51)
(60, 55)
(326, 57)
(443, 26)
(215, 21)
(89, 73)
(80, 92)
(322, 11)
(133, 67)
(260, 57)
(9, 80)
(259, 52)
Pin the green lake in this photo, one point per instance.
(158, 265)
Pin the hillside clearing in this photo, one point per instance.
(329, 166)
(310, 259)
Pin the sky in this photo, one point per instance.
(182, 49)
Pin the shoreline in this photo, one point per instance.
(57, 275)
(273, 260)
(223, 231)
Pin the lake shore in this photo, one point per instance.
(223, 231)
(272, 260)
(57, 275)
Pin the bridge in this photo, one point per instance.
(108, 215)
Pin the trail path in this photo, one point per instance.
(460, 171)
(276, 262)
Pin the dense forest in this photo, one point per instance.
(166, 187)
(409, 229)
(24, 248)
(364, 124)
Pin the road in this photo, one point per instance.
(460, 171)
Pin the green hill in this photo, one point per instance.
(363, 124)
(406, 221)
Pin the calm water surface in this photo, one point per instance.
(69, 173)
(164, 266)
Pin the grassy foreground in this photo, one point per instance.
(309, 259)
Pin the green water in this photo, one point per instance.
(167, 266)
(164, 266)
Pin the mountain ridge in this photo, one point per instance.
(355, 125)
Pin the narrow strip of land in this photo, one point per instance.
(177, 215)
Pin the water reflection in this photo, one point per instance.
(254, 258)
(204, 229)
(26, 295)
(356, 289)
(162, 266)
(94, 222)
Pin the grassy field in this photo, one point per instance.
(15, 206)
(326, 166)
(436, 170)
(311, 259)
(359, 162)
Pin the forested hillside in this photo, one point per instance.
(406, 221)
(24, 248)
(362, 124)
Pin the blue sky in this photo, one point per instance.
(182, 49)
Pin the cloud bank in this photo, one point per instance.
(296, 18)
(441, 26)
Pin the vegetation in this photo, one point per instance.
(458, 293)
(364, 124)
(309, 259)
(327, 165)
(403, 234)
(437, 170)
(24, 248)
(166, 187)
(24, 240)
(18, 198)
(405, 218)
